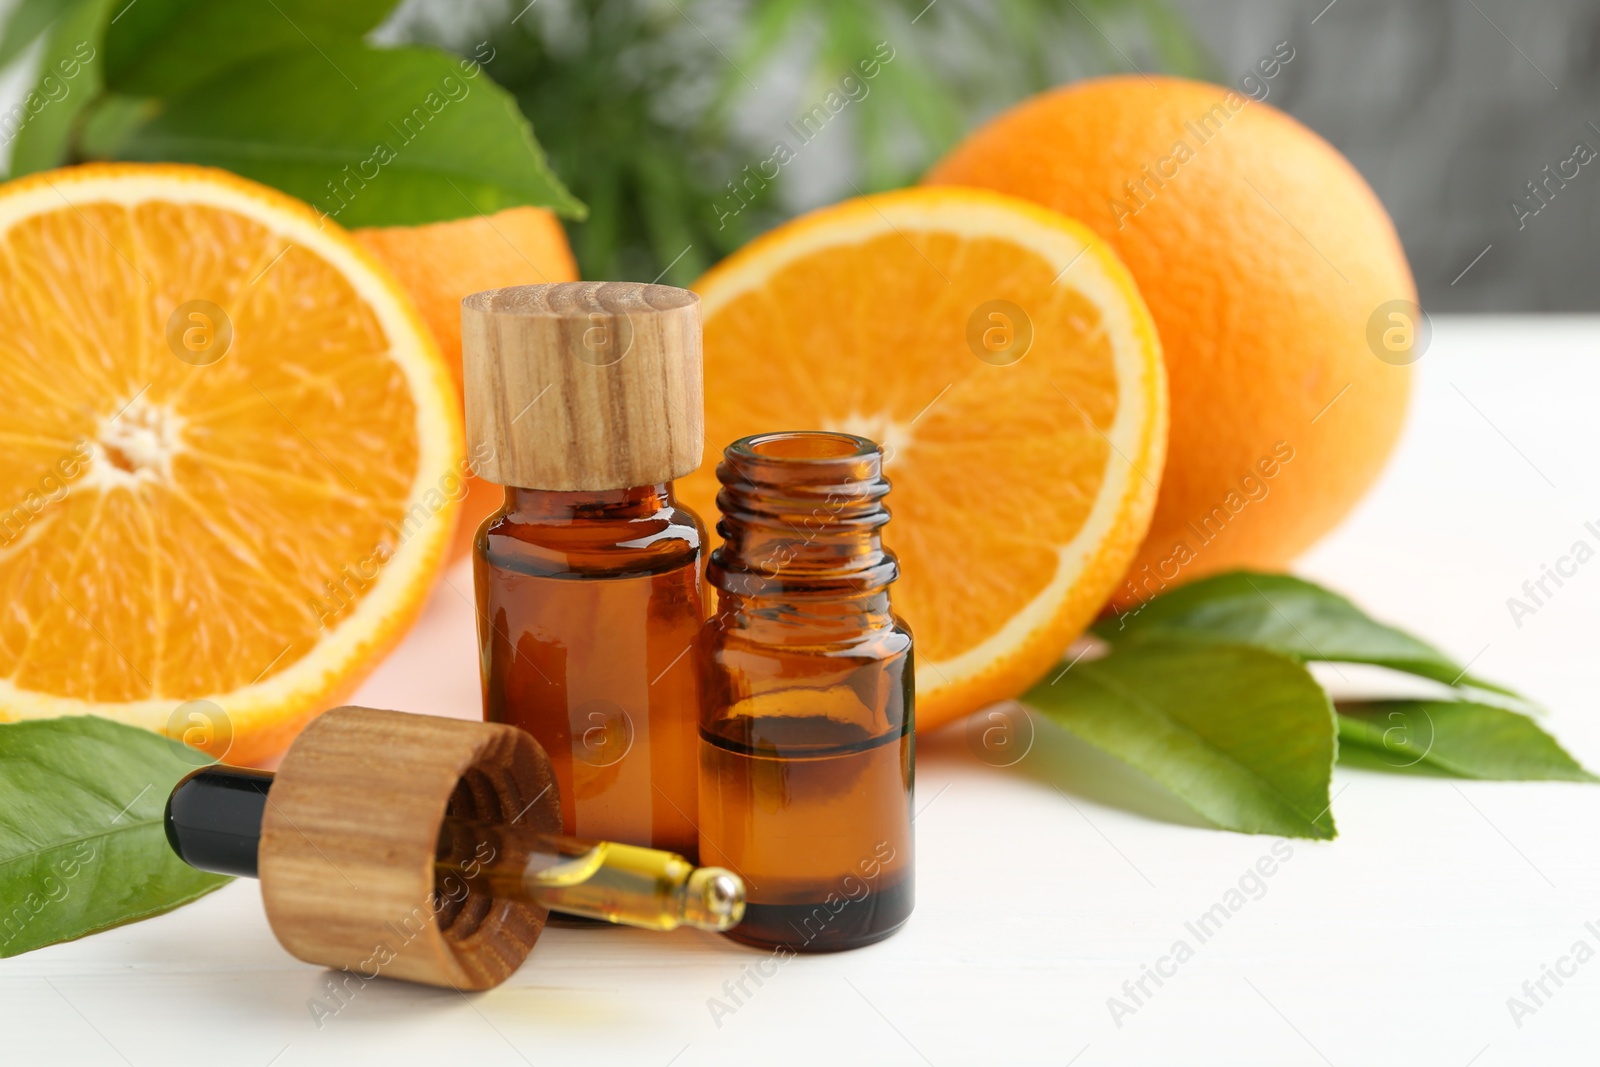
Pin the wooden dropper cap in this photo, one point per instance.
(349, 838)
(583, 385)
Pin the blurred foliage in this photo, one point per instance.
(687, 126)
(664, 115)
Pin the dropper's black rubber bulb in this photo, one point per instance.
(214, 819)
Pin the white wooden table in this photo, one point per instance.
(1397, 944)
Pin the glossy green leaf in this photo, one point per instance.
(1464, 738)
(372, 137)
(162, 47)
(1287, 615)
(82, 845)
(1244, 736)
(41, 126)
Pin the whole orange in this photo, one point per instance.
(1263, 257)
(442, 262)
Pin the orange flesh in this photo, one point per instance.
(219, 500)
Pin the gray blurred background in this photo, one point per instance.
(1449, 108)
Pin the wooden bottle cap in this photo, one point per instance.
(583, 385)
(349, 839)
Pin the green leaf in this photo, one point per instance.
(1469, 739)
(1244, 736)
(82, 846)
(25, 23)
(1287, 615)
(44, 124)
(373, 137)
(162, 47)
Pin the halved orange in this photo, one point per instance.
(1002, 356)
(235, 455)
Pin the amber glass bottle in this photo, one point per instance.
(586, 398)
(806, 727)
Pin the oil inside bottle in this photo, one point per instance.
(589, 611)
(786, 798)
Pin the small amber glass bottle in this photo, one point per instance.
(585, 400)
(806, 727)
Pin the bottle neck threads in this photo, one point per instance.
(801, 517)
